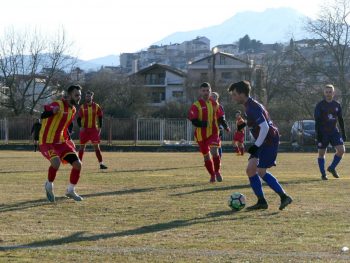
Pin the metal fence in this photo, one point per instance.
(135, 131)
(118, 131)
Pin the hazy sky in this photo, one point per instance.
(103, 27)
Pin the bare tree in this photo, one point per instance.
(119, 96)
(333, 59)
(31, 66)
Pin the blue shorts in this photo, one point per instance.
(334, 139)
(267, 154)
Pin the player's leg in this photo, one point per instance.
(237, 149)
(35, 145)
(81, 151)
(321, 162)
(338, 144)
(214, 150)
(267, 159)
(99, 156)
(208, 162)
(73, 159)
(84, 138)
(255, 184)
(54, 166)
(241, 147)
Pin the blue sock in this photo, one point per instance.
(321, 162)
(220, 152)
(273, 183)
(335, 162)
(256, 185)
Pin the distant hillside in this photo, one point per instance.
(111, 60)
(270, 26)
(97, 63)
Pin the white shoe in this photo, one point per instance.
(49, 192)
(74, 195)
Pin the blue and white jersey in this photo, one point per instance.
(257, 114)
(327, 114)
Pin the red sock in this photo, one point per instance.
(98, 155)
(210, 167)
(242, 150)
(217, 163)
(81, 153)
(74, 176)
(52, 174)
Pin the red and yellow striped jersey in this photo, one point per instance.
(89, 113)
(206, 111)
(55, 128)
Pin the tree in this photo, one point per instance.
(244, 43)
(31, 67)
(333, 57)
(118, 95)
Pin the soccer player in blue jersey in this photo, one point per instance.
(263, 152)
(327, 113)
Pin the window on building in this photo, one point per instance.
(157, 97)
(155, 79)
(222, 60)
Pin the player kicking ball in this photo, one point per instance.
(263, 152)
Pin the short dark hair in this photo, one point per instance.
(73, 87)
(90, 92)
(205, 85)
(241, 87)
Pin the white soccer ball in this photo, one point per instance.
(345, 249)
(236, 201)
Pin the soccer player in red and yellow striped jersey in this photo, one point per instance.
(54, 141)
(90, 123)
(205, 114)
(238, 137)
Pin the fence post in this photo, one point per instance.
(6, 126)
(189, 131)
(137, 131)
(109, 132)
(161, 130)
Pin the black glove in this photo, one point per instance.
(253, 149)
(241, 126)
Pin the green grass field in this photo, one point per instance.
(159, 207)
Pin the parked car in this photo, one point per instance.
(303, 132)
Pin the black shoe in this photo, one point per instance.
(258, 205)
(286, 200)
(218, 177)
(102, 166)
(324, 177)
(333, 172)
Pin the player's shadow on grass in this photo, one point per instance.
(242, 186)
(143, 190)
(43, 202)
(153, 228)
(151, 169)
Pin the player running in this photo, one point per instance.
(206, 115)
(327, 113)
(263, 152)
(55, 144)
(90, 123)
